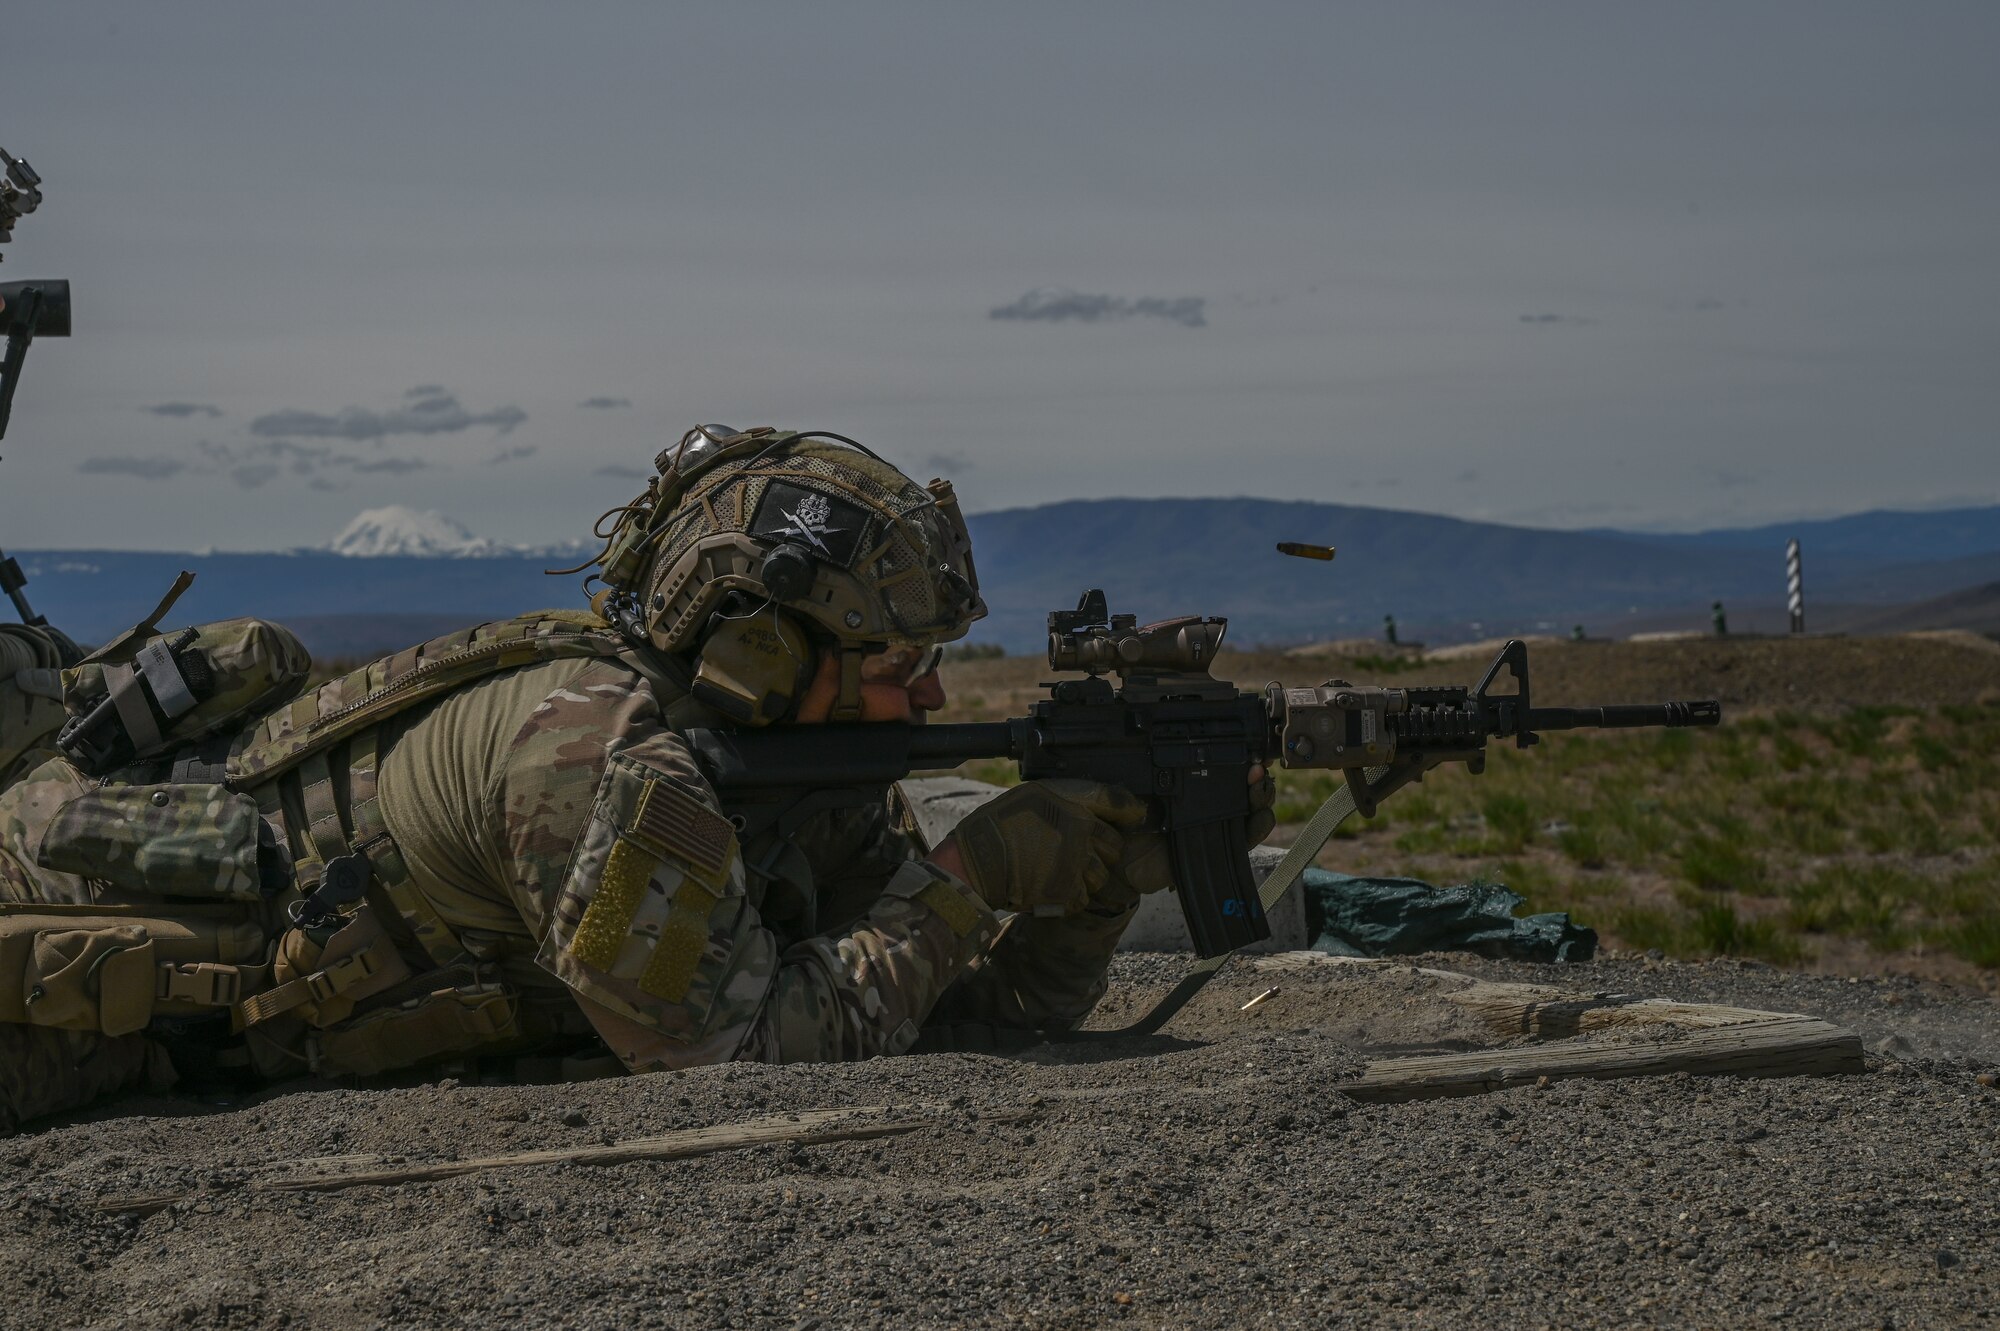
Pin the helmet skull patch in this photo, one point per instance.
(828, 526)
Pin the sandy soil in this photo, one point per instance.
(1205, 1177)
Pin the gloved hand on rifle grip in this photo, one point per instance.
(1046, 847)
(1147, 865)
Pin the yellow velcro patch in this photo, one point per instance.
(683, 938)
(955, 910)
(674, 823)
(607, 921)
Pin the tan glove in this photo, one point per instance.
(1147, 865)
(1046, 847)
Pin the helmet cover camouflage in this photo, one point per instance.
(813, 523)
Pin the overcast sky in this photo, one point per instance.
(1566, 265)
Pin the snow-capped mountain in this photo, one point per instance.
(396, 530)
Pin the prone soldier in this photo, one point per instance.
(498, 842)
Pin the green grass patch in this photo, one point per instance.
(1385, 665)
(1721, 864)
(1510, 821)
(1880, 825)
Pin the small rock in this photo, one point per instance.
(1945, 1259)
(575, 1118)
(1986, 1079)
(1122, 1299)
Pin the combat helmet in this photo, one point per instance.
(750, 550)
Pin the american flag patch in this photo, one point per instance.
(673, 823)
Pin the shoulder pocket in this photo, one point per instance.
(652, 920)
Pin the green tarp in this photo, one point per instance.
(1380, 917)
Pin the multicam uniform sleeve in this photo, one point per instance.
(643, 911)
(1042, 973)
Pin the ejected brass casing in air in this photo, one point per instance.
(1301, 550)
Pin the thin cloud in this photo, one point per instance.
(183, 410)
(1572, 320)
(514, 454)
(425, 411)
(606, 403)
(254, 475)
(147, 469)
(393, 466)
(944, 464)
(1058, 304)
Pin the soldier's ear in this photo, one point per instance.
(753, 668)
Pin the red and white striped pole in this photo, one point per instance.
(1795, 594)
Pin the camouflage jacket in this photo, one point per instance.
(543, 829)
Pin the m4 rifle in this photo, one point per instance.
(1171, 733)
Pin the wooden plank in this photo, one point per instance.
(808, 1128)
(1512, 1010)
(1775, 1046)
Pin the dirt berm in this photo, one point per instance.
(1209, 1177)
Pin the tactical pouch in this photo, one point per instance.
(321, 981)
(461, 1020)
(115, 973)
(144, 695)
(31, 710)
(163, 841)
(90, 980)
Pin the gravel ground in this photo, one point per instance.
(1208, 1177)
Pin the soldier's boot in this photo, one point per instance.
(46, 1071)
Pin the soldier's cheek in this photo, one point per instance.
(886, 702)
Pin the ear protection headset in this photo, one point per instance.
(755, 664)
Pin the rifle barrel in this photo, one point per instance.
(846, 753)
(1626, 716)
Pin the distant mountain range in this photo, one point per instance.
(1879, 536)
(397, 575)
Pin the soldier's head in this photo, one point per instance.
(800, 576)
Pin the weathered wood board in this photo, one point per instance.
(1701, 1039)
